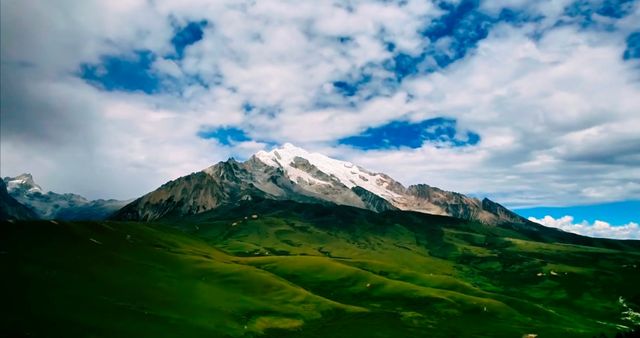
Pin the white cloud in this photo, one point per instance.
(596, 229)
(558, 118)
(557, 111)
(270, 54)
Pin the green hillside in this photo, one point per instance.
(283, 269)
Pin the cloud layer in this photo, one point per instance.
(596, 229)
(550, 88)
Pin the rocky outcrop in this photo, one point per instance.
(373, 201)
(11, 209)
(501, 212)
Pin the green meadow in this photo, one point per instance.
(283, 269)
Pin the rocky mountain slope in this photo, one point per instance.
(11, 209)
(292, 173)
(51, 205)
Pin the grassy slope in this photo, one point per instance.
(309, 271)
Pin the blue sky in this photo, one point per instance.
(439, 131)
(616, 212)
(123, 73)
(531, 103)
(225, 135)
(187, 35)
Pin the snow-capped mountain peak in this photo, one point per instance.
(292, 173)
(24, 182)
(292, 160)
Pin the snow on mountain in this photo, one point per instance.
(420, 198)
(22, 182)
(345, 172)
(292, 173)
(51, 205)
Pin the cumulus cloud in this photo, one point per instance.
(276, 56)
(552, 99)
(596, 229)
(556, 119)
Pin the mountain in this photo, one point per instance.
(51, 205)
(295, 244)
(294, 174)
(11, 209)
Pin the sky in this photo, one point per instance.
(534, 104)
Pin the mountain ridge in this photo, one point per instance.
(292, 173)
(52, 205)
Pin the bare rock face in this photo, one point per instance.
(461, 206)
(373, 201)
(291, 173)
(221, 184)
(187, 195)
(451, 203)
(501, 212)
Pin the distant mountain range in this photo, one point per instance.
(287, 173)
(51, 205)
(292, 173)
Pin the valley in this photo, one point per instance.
(280, 268)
